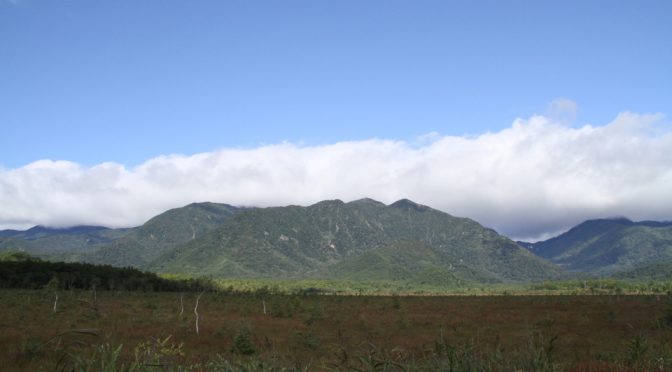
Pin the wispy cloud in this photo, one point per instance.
(562, 110)
(534, 178)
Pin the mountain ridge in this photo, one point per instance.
(297, 241)
(359, 239)
(160, 233)
(608, 246)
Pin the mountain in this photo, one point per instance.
(37, 232)
(12, 244)
(119, 247)
(608, 246)
(16, 256)
(410, 261)
(160, 234)
(364, 239)
(47, 242)
(652, 271)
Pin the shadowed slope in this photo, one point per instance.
(607, 246)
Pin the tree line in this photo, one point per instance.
(34, 274)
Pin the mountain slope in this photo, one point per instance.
(12, 244)
(407, 260)
(607, 246)
(329, 239)
(50, 243)
(160, 234)
(652, 271)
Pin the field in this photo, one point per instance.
(149, 330)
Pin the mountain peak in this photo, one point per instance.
(366, 201)
(331, 202)
(363, 239)
(406, 204)
(628, 222)
(79, 229)
(617, 219)
(603, 223)
(608, 245)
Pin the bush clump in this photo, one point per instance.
(242, 342)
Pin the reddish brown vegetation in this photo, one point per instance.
(583, 333)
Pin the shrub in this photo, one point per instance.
(637, 349)
(242, 343)
(305, 340)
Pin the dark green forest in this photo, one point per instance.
(30, 273)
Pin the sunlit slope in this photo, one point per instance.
(364, 239)
(52, 243)
(160, 234)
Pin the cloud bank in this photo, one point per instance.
(533, 179)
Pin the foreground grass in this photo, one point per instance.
(146, 331)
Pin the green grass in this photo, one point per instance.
(391, 288)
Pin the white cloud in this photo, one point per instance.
(562, 110)
(534, 178)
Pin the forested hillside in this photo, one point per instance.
(332, 238)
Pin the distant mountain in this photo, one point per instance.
(364, 239)
(13, 244)
(160, 234)
(608, 246)
(529, 246)
(37, 232)
(9, 233)
(359, 240)
(48, 242)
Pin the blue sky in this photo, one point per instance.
(92, 81)
(541, 113)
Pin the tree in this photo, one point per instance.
(196, 309)
(52, 286)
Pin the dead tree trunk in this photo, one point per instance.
(196, 309)
(55, 301)
(181, 304)
(263, 302)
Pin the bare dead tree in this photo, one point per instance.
(181, 304)
(196, 309)
(53, 287)
(263, 302)
(94, 283)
